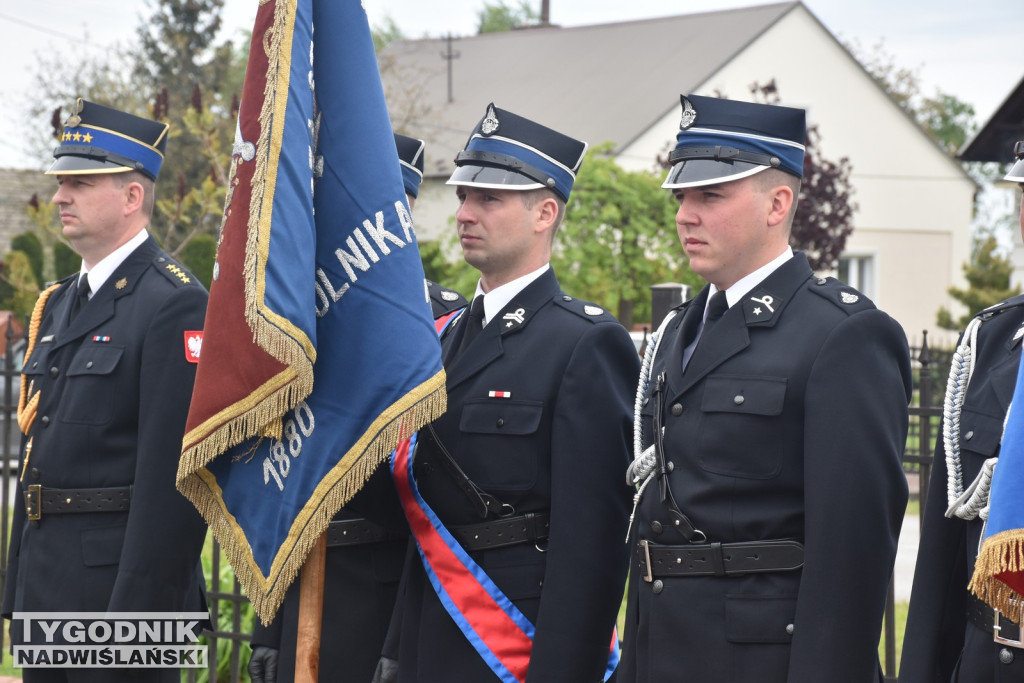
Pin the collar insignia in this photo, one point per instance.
(593, 310)
(849, 298)
(449, 295)
(121, 284)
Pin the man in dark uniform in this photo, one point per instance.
(98, 524)
(773, 420)
(523, 469)
(364, 557)
(951, 635)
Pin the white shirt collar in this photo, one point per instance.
(747, 283)
(102, 271)
(498, 298)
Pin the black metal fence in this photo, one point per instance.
(231, 612)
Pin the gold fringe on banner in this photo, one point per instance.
(423, 404)
(1001, 553)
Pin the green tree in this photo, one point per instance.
(988, 282)
(495, 18)
(29, 244)
(385, 34)
(618, 238)
(19, 289)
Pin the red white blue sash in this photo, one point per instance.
(499, 632)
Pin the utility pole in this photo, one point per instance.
(450, 56)
(545, 12)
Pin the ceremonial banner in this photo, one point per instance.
(999, 570)
(319, 352)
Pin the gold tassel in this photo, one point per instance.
(1001, 553)
(26, 407)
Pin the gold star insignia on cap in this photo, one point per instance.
(87, 138)
(121, 284)
(67, 135)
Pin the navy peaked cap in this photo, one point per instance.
(508, 152)
(99, 139)
(721, 140)
(410, 156)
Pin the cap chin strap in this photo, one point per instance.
(505, 161)
(722, 153)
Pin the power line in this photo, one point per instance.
(53, 32)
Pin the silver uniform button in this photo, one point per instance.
(790, 628)
(738, 400)
(657, 586)
(1005, 656)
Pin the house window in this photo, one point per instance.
(858, 272)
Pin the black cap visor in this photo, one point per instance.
(697, 172)
(75, 165)
(491, 177)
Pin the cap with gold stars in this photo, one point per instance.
(99, 139)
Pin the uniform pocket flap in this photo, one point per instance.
(501, 416)
(745, 395)
(99, 359)
(759, 618)
(102, 546)
(979, 432)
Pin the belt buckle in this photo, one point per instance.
(648, 576)
(996, 628)
(34, 502)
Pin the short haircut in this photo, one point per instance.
(148, 188)
(531, 197)
(773, 177)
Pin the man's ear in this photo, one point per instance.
(547, 213)
(781, 202)
(134, 197)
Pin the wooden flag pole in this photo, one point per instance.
(311, 608)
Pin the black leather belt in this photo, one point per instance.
(1002, 627)
(39, 500)
(527, 528)
(718, 559)
(358, 531)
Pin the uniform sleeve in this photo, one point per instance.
(587, 561)
(164, 534)
(855, 496)
(933, 641)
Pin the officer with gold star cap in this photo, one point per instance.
(771, 419)
(98, 523)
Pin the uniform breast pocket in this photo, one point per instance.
(739, 434)
(91, 389)
(980, 432)
(499, 444)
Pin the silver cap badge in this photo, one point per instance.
(490, 124)
(689, 115)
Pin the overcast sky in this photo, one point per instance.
(972, 50)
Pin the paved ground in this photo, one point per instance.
(906, 557)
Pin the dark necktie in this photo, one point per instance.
(81, 296)
(474, 323)
(716, 309)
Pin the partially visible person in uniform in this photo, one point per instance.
(366, 544)
(98, 523)
(774, 416)
(524, 471)
(951, 635)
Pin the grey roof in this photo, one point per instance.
(605, 82)
(994, 142)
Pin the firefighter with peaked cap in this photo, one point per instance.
(771, 417)
(98, 523)
(522, 476)
(952, 635)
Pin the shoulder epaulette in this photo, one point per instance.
(444, 300)
(845, 297)
(1005, 305)
(175, 272)
(584, 309)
